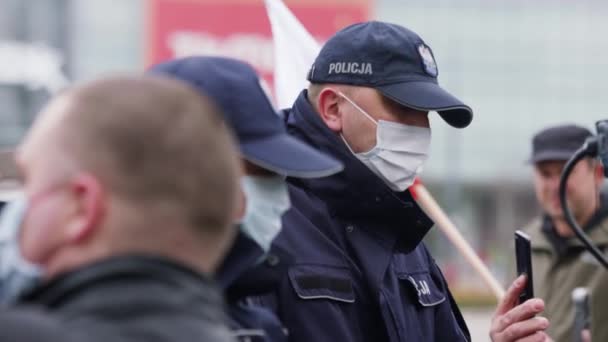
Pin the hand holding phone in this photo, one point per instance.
(523, 254)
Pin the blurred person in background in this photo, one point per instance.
(358, 268)
(560, 262)
(268, 155)
(130, 188)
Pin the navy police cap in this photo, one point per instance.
(393, 60)
(236, 89)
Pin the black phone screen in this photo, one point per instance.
(523, 254)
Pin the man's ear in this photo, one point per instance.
(90, 209)
(329, 109)
(599, 173)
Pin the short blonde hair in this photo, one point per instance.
(154, 140)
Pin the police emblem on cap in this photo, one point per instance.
(428, 61)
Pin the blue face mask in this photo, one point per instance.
(267, 200)
(17, 275)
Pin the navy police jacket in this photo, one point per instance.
(357, 269)
(248, 322)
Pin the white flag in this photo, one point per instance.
(294, 52)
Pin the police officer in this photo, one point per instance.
(359, 270)
(121, 221)
(269, 155)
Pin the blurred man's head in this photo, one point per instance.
(551, 149)
(128, 165)
(374, 84)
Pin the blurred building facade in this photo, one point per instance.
(521, 65)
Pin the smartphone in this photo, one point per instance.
(523, 254)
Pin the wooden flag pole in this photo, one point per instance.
(430, 206)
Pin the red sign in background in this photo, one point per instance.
(238, 28)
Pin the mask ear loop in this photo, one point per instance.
(356, 106)
(360, 110)
(347, 145)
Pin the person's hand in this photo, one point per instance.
(512, 322)
(586, 335)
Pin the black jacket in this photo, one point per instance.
(237, 276)
(132, 298)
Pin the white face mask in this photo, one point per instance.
(400, 151)
(17, 275)
(267, 200)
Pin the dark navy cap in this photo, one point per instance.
(393, 60)
(558, 143)
(236, 88)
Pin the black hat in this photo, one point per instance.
(558, 142)
(393, 60)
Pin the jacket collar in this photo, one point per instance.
(145, 268)
(245, 254)
(356, 193)
(546, 236)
